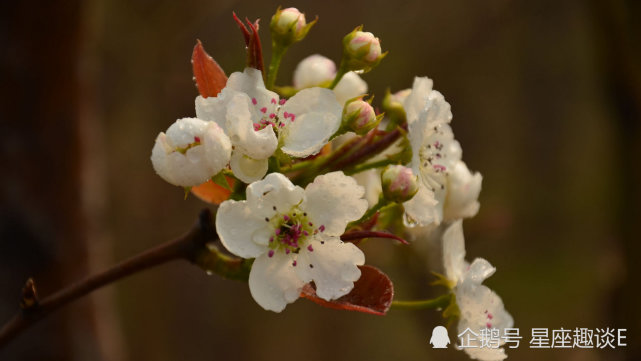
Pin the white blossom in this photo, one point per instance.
(316, 70)
(294, 234)
(434, 151)
(479, 306)
(191, 152)
(258, 122)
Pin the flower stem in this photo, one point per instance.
(342, 70)
(440, 302)
(365, 166)
(274, 64)
(190, 247)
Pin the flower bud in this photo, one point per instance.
(399, 183)
(191, 152)
(359, 116)
(289, 26)
(393, 105)
(361, 50)
(314, 70)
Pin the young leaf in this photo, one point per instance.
(213, 193)
(210, 77)
(372, 293)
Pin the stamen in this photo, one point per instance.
(294, 263)
(321, 228)
(270, 254)
(263, 110)
(282, 101)
(197, 139)
(254, 101)
(310, 248)
(273, 100)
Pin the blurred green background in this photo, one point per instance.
(546, 97)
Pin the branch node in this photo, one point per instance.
(29, 299)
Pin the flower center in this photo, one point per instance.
(271, 117)
(292, 231)
(433, 160)
(183, 150)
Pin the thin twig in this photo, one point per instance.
(185, 247)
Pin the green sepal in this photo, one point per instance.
(221, 180)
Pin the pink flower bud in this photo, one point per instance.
(399, 183)
(359, 116)
(361, 50)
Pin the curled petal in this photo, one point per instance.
(259, 144)
(273, 282)
(332, 265)
(317, 118)
(246, 168)
(479, 270)
(191, 152)
(236, 223)
(333, 200)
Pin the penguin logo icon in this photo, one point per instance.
(440, 338)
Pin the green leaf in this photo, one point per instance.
(221, 180)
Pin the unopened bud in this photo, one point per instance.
(362, 50)
(359, 116)
(314, 70)
(399, 183)
(393, 105)
(289, 26)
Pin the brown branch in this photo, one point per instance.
(185, 247)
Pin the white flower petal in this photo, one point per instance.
(191, 152)
(424, 209)
(213, 108)
(275, 190)
(462, 192)
(371, 181)
(317, 118)
(314, 70)
(454, 252)
(479, 270)
(246, 168)
(417, 100)
(333, 200)
(273, 282)
(250, 82)
(236, 223)
(240, 128)
(350, 86)
(332, 265)
(480, 308)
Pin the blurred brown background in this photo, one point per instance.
(546, 98)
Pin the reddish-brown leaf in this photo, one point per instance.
(210, 77)
(372, 293)
(211, 192)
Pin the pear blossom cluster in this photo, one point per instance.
(309, 166)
